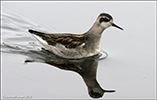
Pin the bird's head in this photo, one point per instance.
(105, 20)
(97, 92)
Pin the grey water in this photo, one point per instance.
(16, 41)
(30, 71)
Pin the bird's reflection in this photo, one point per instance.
(86, 67)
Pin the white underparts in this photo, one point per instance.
(43, 42)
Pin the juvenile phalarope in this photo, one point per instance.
(75, 46)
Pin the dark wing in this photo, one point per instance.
(44, 36)
(69, 40)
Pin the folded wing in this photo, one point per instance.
(69, 40)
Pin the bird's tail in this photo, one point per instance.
(36, 32)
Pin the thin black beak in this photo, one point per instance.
(117, 26)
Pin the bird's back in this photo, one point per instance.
(68, 40)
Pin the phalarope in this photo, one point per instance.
(75, 46)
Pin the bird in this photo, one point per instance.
(76, 46)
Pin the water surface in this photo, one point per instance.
(15, 40)
(129, 69)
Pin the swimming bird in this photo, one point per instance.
(74, 46)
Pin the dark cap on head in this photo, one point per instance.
(105, 14)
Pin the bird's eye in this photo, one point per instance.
(104, 19)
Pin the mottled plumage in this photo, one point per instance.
(68, 40)
(76, 46)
